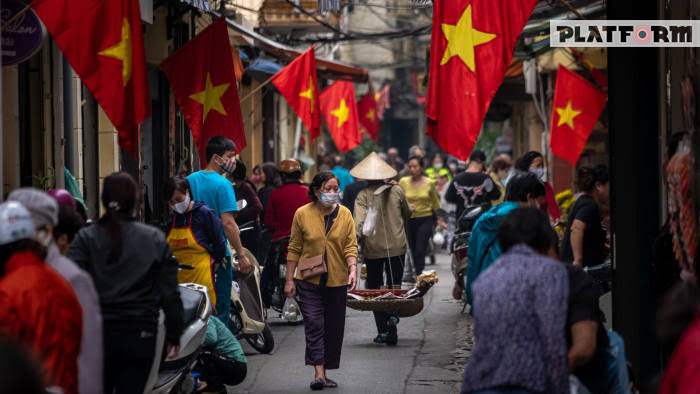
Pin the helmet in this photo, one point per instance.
(289, 166)
(438, 239)
(63, 197)
(15, 223)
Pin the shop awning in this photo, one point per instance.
(327, 69)
(262, 69)
(201, 4)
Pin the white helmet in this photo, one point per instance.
(15, 223)
(438, 239)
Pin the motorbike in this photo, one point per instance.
(458, 246)
(288, 308)
(247, 317)
(173, 375)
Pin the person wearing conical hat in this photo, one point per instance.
(380, 212)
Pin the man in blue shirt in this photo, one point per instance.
(524, 190)
(212, 188)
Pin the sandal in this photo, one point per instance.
(329, 383)
(317, 384)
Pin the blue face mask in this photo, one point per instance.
(537, 171)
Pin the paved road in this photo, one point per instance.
(429, 358)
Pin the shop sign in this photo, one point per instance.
(23, 37)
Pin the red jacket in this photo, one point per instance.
(283, 203)
(39, 309)
(682, 374)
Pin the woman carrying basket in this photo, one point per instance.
(380, 212)
(324, 247)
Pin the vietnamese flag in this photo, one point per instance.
(367, 111)
(575, 111)
(340, 112)
(103, 42)
(298, 84)
(471, 47)
(202, 77)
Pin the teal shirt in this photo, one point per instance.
(483, 248)
(220, 340)
(214, 191)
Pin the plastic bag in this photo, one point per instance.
(368, 227)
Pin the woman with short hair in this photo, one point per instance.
(323, 253)
(519, 311)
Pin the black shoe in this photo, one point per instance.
(317, 385)
(392, 336)
(380, 338)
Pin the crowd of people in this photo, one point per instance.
(82, 299)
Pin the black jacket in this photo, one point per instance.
(143, 280)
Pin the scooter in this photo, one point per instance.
(247, 315)
(458, 246)
(288, 308)
(173, 375)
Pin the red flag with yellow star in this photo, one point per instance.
(575, 111)
(367, 111)
(471, 46)
(298, 84)
(103, 42)
(340, 113)
(204, 82)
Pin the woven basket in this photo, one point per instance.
(404, 307)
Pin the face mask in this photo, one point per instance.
(181, 207)
(330, 199)
(537, 171)
(226, 166)
(44, 238)
(437, 165)
(255, 178)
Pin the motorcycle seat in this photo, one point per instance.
(193, 302)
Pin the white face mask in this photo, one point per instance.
(330, 199)
(537, 171)
(44, 238)
(437, 165)
(182, 207)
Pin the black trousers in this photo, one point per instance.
(128, 357)
(375, 280)
(418, 232)
(218, 370)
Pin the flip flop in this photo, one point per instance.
(331, 384)
(317, 385)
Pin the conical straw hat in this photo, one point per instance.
(373, 168)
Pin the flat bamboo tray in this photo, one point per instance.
(404, 307)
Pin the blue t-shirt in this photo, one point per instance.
(220, 340)
(215, 191)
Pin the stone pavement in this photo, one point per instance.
(429, 358)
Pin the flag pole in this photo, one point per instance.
(297, 137)
(250, 94)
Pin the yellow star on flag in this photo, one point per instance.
(341, 113)
(210, 98)
(371, 115)
(309, 93)
(567, 115)
(122, 51)
(462, 38)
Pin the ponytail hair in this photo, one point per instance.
(119, 200)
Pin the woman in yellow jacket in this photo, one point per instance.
(323, 232)
(423, 199)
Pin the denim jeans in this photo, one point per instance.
(607, 371)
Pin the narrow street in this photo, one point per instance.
(429, 357)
